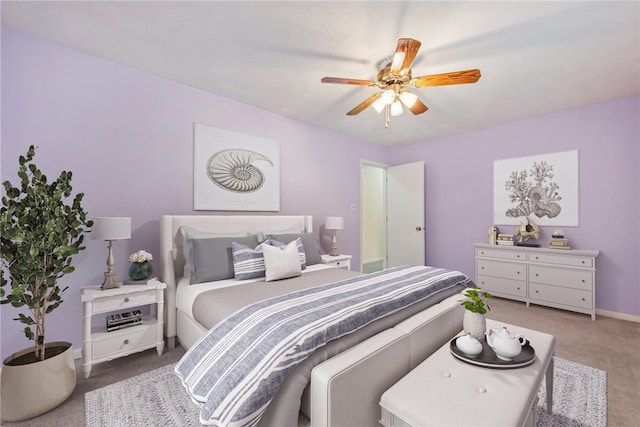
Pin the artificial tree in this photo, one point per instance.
(40, 234)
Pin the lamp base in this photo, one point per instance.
(110, 281)
(334, 252)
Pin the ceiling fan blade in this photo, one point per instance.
(418, 107)
(408, 48)
(364, 104)
(454, 78)
(340, 80)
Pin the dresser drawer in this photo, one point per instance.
(561, 295)
(496, 253)
(507, 270)
(562, 259)
(577, 279)
(500, 285)
(117, 302)
(125, 341)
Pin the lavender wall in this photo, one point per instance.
(128, 138)
(459, 193)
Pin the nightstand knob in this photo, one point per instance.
(126, 342)
(126, 300)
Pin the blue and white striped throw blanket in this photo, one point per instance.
(235, 370)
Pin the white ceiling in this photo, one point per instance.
(535, 57)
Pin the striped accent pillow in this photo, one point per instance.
(248, 263)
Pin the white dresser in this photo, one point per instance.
(557, 278)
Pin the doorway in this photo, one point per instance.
(392, 215)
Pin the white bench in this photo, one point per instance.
(445, 391)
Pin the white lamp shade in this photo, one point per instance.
(408, 99)
(378, 105)
(111, 228)
(388, 96)
(396, 108)
(398, 59)
(334, 223)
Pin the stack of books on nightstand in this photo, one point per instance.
(124, 320)
(505, 239)
(559, 243)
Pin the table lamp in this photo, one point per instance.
(110, 229)
(334, 223)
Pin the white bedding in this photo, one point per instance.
(186, 294)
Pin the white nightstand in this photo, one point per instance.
(98, 345)
(340, 261)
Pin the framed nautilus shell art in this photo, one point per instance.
(234, 171)
(543, 188)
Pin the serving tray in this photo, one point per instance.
(488, 358)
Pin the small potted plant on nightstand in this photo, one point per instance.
(475, 303)
(39, 234)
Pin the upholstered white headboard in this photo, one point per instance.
(171, 253)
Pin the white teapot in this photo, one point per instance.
(505, 345)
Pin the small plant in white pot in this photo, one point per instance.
(40, 234)
(475, 303)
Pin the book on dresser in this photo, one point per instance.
(504, 239)
(559, 243)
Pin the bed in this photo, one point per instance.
(339, 383)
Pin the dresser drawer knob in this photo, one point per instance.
(583, 281)
(537, 292)
(583, 299)
(537, 275)
(583, 261)
(126, 299)
(126, 342)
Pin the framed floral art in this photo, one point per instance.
(543, 188)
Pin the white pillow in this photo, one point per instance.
(281, 263)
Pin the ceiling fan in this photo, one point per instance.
(394, 81)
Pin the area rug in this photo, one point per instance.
(156, 398)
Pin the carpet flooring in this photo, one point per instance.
(156, 398)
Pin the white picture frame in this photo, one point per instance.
(546, 185)
(235, 171)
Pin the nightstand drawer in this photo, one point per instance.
(118, 302)
(124, 341)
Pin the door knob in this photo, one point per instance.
(418, 228)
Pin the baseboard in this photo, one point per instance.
(77, 353)
(616, 315)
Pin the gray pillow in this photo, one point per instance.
(211, 258)
(309, 242)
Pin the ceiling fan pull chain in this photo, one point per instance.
(387, 118)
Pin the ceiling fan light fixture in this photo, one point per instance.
(388, 96)
(396, 108)
(408, 99)
(398, 59)
(378, 105)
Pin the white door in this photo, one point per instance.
(405, 215)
